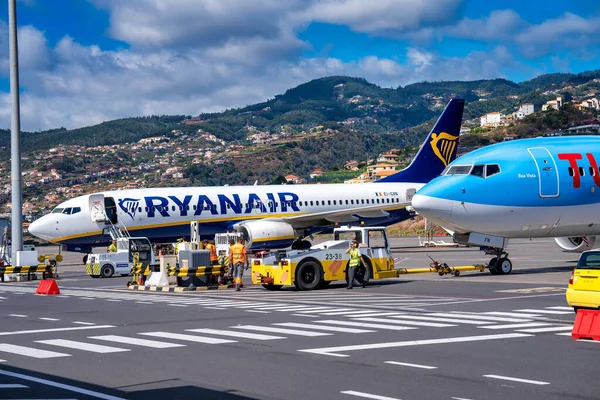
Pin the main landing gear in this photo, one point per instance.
(500, 264)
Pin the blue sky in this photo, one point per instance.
(87, 61)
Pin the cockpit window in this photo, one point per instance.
(57, 210)
(76, 210)
(67, 210)
(492, 169)
(478, 170)
(459, 170)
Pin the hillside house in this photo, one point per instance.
(293, 179)
(553, 104)
(493, 119)
(316, 173)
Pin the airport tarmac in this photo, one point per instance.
(475, 336)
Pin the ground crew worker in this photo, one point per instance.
(355, 263)
(214, 258)
(113, 247)
(239, 259)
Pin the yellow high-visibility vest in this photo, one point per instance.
(354, 258)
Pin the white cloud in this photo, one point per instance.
(501, 24)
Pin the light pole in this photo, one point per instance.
(15, 136)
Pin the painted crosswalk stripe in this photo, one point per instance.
(560, 308)
(190, 338)
(258, 311)
(177, 305)
(113, 300)
(280, 330)
(320, 311)
(440, 319)
(366, 325)
(235, 334)
(409, 365)
(300, 308)
(135, 341)
(479, 317)
(377, 314)
(337, 351)
(214, 308)
(515, 326)
(355, 312)
(83, 323)
(13, 386)
(72, 344)
(554, 312)
(549, 329)
(49, 319)
(72, 328)
(283, 308)
(509, 378)
(303, 315)
(512, 314)
(144, 302)
(405, 322)
(29, 351)
(323, 328)
(18, 315)
(367, 395)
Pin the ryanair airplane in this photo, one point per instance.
(268, 216)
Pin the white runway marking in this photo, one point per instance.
(304, 309)
(376, 314)
(61, 386)
(406, 322)
(139, 342)
(409, 365)
(76, 328)
(18, 315)
(508, 378)
(512, 314)
(258, 311)
(561, 308)
(191, 338)
(438, 319)
(367, 325)
(30, 352)
(550, 329)
(245, 335)
(144, 302)
(49, 319)
(303, 315)
(350, 312)
(83, 323)
(320, 311)
(113, 300)
(477, 317)
(336, 351)
(323, 327)
(280, 330)
(95, 348)
(515, 326)
(214, 308)
(177, 305)
(368, 395)
(529, 310)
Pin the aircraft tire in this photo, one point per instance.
(504, 266)
(107, 271)
(309, 275)
(492, 266)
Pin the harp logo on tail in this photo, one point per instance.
(443, 146)
(129, 206)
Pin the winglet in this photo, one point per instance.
(437, 151)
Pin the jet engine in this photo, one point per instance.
(266, 234)
(576, 244)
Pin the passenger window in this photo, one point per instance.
(346, 202)
(478, 170)
(311, 203)
(592, 171)
(328, 202)
(492, 169)
(571, 171)
(362, 201)
(172, 208)
(334, 203)
(581, 171)
(139, 209)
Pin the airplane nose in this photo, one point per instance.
(433, 208)
(40, 228)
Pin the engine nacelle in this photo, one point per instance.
(576, 244)
(266, 234)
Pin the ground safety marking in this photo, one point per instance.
(553, 312)
(440, 319)
(258, 311)
(512, 314)
(410, 365)
(135, 341)
(76, 328)
(323, 327)
(562, 308)
(72, 344)
(476, 317)
(533, 290)
(18, 315)
(367, 395)
(30, 352)
(508, 378)
(60, 386)
(366, 325)
(245, 335)
(515, 326)
(190, 338)
(550, 329)
(280, 330)
(336, 351)
(83, 323)
(406, 322)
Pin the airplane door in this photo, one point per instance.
(547, 171)
(96, 204)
